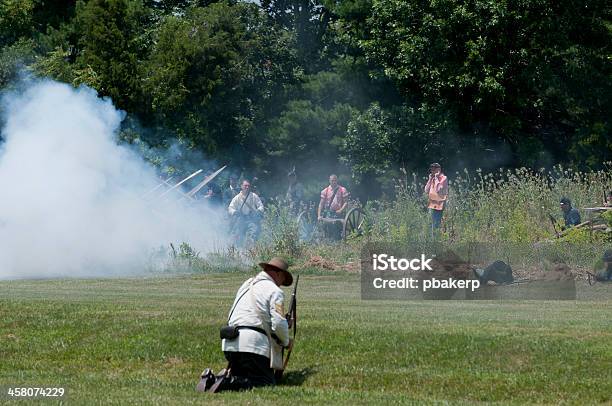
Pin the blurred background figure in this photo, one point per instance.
(436, 189)
(246, 210)
(231, 190)
(570, 214)
(295, 192)
(214, 194)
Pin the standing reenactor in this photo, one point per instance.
(333, 203)
(214, 194)
(232, 189)
(295, 192)
(334, 200)
(436, 189)
(246, 211)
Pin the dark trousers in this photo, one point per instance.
(333, 229)
(436, 220)
(246, 230)
(251, 370)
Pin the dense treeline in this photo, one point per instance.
(362, 87)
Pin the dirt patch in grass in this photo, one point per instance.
(558, 272)
(173, 361)
(319, 262)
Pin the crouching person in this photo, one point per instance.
(256, 333)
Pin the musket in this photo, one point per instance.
(180, 183)
(207, 179)
(238, 212)
(292, 319)
(163, 182)
(554, 224)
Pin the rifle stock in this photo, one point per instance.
(292, 319)
(553, 222)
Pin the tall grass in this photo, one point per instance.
(506, 206)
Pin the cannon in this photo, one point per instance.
(310, 228)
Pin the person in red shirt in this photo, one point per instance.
(437, 193)
(332, 205)
(334, 200)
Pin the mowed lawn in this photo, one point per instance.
(145, 341)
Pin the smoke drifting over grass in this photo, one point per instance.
(72, 198)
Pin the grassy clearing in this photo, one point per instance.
(144, 341)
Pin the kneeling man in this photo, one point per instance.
(256, 333)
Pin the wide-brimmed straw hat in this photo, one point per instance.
(278, 264)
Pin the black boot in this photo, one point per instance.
(206, 380)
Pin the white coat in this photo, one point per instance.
(269, 299)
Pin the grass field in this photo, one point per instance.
(145, 341)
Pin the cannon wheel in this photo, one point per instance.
(306, 226)
(353, 222)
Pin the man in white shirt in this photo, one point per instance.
(246, 211)
(258, 330)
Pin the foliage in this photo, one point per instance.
(214, 73)
(308, 22)
(607, 216)
(15, 20)
(320, 132)
(13, 58)
(186, 259)
(515, 205)
(54, 64)
(280, 233)
(509, 206)
(359, 87)
(109, 53)
(518, 68)
(405, 219)
(379, 139)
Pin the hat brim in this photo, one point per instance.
(288, 277)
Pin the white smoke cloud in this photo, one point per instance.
(71, 197)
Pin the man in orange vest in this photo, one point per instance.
(437, 192)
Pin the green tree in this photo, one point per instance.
(13, 58)
(308, 20)
(309, 136)
(111, 49)
(381, 140)
(532, 67)
(215, 76)
(15, 20)
(51, 14)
